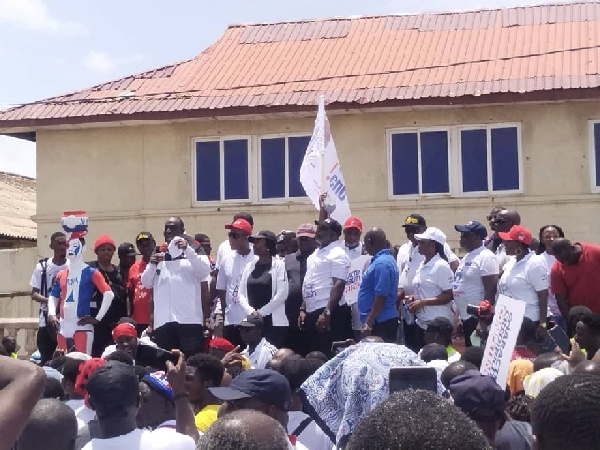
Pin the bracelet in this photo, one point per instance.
(367, 327)
(302, 309)
(180, 395)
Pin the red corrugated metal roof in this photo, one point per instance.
(378, 60)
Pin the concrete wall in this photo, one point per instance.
(131, 178)
(16, 266)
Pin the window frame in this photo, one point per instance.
(488, 127)
(251, 170)
(594, 189)
(277, 200)
(418, 130)
(455, 172)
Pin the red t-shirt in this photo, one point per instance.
(581, 282)
(141, 295)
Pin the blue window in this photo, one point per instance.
(280, 161)
(490, 159)
(419, 162)
(221, 168)
(595, 157)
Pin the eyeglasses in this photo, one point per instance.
(490, 218)
(501, 220)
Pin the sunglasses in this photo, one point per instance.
(490, 218)
(500, 220)
(234, 235)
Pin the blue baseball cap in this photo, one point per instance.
(472, 227)
(473, 392)
(265, 385)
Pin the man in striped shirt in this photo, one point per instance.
(259, 351)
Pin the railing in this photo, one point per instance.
(24, 329)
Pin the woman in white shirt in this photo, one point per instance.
(264, 287)
(548, 233)
(432, 285)
(525, 276)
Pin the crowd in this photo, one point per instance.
(287, 340)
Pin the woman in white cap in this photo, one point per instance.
(432, 285)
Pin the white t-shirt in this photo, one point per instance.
(231, 269)
(83, 414)
(409, 259)
(160, 439)
(312, 436)
(522, 280)
(553, 309)
(429, 281)
(468, 287)
(223, 250)
(36, 282)
(352, 253)
(323, 265)
(263, 353)
(501, 255)
(176, 284)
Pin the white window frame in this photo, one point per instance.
(287, 198)
(251, 170)
(458, 161)
(592, 156)
(418, 130)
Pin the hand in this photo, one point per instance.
(322, 198)
(415, 306)
(149, 330)
(301, 319)
(322, 324)
(156, 258)
(232, 358)
(541, 331)
(87, 320)
(365, 333)
(182, 244)
(176, 374)
(54, 323)
(256, 313)
(576, 356)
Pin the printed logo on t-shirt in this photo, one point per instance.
(308, 290)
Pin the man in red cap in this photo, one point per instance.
(230, 273)
(177, 276)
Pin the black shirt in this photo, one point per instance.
(260, 285)
(295, 266)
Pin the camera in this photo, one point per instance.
(484, 310)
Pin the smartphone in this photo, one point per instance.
(560, 338)
(338, 346)
(154, 357)
(419, 377)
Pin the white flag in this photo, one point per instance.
(321, 171)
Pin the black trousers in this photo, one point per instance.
(340, 329)
(414, 337)
(469, 326)
(386, 330)
(187, 337)
(232, 334)
(276, 335)
(46, 343)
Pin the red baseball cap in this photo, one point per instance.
(517, 233)
(240, 224)
(104, 239)
(353, 222)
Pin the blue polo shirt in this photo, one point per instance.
(381, 278)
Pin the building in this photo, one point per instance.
(445, 114)
(17, 205)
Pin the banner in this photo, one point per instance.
(321, 172)
(508, 316)
(357, 268)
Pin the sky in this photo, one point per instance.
(50, 47)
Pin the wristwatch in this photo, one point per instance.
(543, 324)
(327, 312)
(302, 309)
(367, 327)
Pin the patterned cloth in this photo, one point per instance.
(347, 387)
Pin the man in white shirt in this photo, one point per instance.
(259, 351)
(114, 394)
(41, 282)
(476, 278)
(323, 313)
(409, 259)
(353, 247)
(181, 299)
(504, 221)
(229, 276)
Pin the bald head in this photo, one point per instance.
(247, 429)
(505, 220)
(375, 241)
(588, 367)
(51, 426)
(565, 251)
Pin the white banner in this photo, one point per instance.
(508, 316)
(321, 172)
(357, 268)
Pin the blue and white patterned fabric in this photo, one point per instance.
(350, 385)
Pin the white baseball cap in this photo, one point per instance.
(432, 234)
